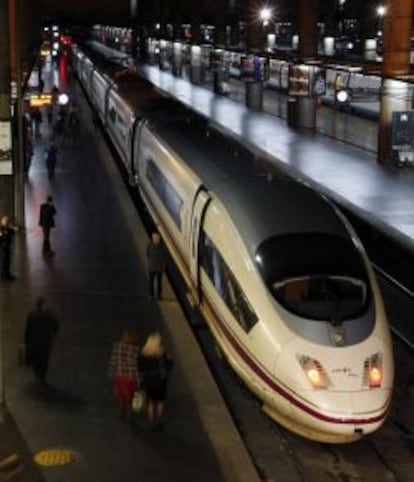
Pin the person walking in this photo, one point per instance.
(41, 329)
(154, 367)
(47, 222)
(49, 114)
(36, 116)
(123, 372)
(6, 240)
(156, 264)
(51, 158)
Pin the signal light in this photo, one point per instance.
(343, 96)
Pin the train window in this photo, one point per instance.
(322, 297)
(311, 283)
(226, 284)
(194, 236)
(166, 192)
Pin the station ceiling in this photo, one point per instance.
(90, 11)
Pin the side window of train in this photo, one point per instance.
(237, 301)
(112, 115)
(205, 254)
(166, 192)
(226, 284)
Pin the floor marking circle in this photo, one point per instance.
(54, 457)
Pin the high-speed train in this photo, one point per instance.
(276, 269)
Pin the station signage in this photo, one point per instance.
(40, 100)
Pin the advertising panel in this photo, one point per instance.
(254, 67)
(402, 138)
(318, 81)
(306, 80)
(299, 80)
(5, 148)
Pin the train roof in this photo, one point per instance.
(263, 208)
(260, 207)
(261, 201)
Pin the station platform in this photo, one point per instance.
(351, 176)
(97, 285)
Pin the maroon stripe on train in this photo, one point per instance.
(253, 365)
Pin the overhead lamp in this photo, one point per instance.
(381, 10)
(265, 15)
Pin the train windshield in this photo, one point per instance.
(315, 276)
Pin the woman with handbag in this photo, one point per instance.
(154, 367)
(123, 372)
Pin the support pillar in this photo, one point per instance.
(255, 43)
(177, 60)
(197, 73)
(6, 179)
(254, 94)
(6, 184)
(396, 62)
(18, 164)
(308, 50)
(134, 28)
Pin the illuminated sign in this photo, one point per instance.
(299, 80)
(306, 80)
(39, 100)
(402, 138)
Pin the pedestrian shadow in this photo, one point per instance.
(55, 397)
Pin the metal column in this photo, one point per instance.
(396, 62)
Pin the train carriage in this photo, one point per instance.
(279, 274)
(99, 93)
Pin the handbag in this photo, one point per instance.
(138, 401)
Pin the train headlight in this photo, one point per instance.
(314, 372)
(373, 372)
(375, 377)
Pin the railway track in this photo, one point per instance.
(393, 261)
(280, 456)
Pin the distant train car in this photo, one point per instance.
(277, 271)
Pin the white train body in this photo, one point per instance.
(281, 278)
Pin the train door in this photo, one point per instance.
(199, 209)
(135, 152)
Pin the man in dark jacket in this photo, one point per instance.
(51, 158)
(47, 222)
(6, 239)
(40, 333)
(156, 264)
